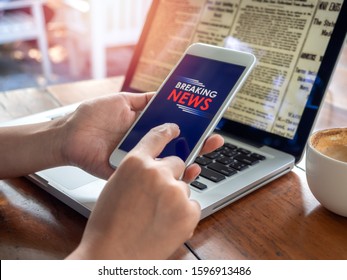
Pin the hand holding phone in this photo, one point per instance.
(194, 96)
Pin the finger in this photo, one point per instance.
(212, 143)
(184, 187)
(175, 164)
(154, 142)
(138, 101)
(191, 173)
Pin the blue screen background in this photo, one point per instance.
(215, 75)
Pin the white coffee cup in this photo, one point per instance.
(326, 168)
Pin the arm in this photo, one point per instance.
(86, 138)
(29, 148)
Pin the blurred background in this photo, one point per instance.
(58, 41)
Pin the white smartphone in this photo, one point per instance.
(194, 96)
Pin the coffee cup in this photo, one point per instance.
(326, 168)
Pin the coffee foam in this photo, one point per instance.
(332, 143)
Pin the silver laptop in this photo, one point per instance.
(297, 44)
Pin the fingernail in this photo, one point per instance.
(170, 128)
(174, 127)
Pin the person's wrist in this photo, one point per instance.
(57, 133)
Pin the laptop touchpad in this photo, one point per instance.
(67, 176)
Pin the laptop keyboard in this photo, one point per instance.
(225, 162)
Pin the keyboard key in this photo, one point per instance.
(246, 159)
(244, 151)
(257, 156)
(211, 175)
(198, 185)
(212, 155)
(203, 161)
(225, 160)
(230, 146)
(229, 153)
(225, 170)
(238, 165)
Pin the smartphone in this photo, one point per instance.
(194, 96)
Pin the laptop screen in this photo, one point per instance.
(296, 42)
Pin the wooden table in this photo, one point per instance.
(279, 221)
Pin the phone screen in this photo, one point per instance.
(191, 97)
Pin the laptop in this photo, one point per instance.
(297, 44)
